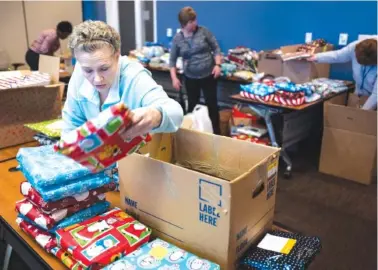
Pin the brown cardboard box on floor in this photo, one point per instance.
(299, 71)
(20, 106)
(349, 147)
(211, 195)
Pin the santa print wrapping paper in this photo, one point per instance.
(66, 259)
(163, 256)
(47, 168)
(103, 239)
(97, 144)
(85, 198)
(48, 220)
(78, 217)
(43, 238)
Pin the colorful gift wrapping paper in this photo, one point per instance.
(48, 220)
(78, 217)
(97, 144)
(66, 259)
(16, 79)
(46, 168)
(163, 256)
(51, 128)
(103, 239)
(43, 238)
(85, 198)
(58, 192)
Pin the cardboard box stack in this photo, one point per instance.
(203, 193)
(349, 147)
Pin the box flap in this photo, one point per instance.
(50, 65)
(348, 155)
(350, 118)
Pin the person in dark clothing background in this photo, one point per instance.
(47, 43)
(202, 59)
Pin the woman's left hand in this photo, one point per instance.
(216, 71)
(143, 121)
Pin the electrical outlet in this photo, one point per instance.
(343, 39)
(178, 30)
(169, 32)
(308, 37)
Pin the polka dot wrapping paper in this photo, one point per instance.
(98, 144)
(299, 257)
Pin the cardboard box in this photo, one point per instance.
(20, 106)
(299, 71)
(349, 147)
(211, 195)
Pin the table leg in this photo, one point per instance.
(7, 257)
(266, 113)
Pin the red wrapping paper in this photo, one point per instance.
(98, 144)
(44, 239)
(101, 240)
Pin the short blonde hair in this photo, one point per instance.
(90, 36)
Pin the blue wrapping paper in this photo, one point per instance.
(161, 255)
(57, 192)
(94, 210)
(47, 168)
(259, 89)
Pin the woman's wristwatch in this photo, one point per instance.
(219, 65)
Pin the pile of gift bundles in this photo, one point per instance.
(280, 91)
(59, 192)
(17, 79)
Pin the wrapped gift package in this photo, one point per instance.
(48, 220)
(282, 250)
(88, 197)
(98, 241)
(47, 168)
(98, 144)
(58, 192)
(44, 239)
(163, 256)
(51, 128)
(66, 259)
(78, 217)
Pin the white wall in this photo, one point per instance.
(40, 15)
(12, 30)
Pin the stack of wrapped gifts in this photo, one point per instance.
(59, 192)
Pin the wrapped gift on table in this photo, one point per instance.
(43, 238)
(282, 250)
(78, 217)
(66, 259)
(47, 221)
(98, 144)
(163, 256)
(51, 128)
(88, 197)
(103, 239)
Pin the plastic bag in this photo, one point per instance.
(200, 119)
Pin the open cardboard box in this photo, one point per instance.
(19, 106)
(349, 147)
(299, 71)
(211, 195)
